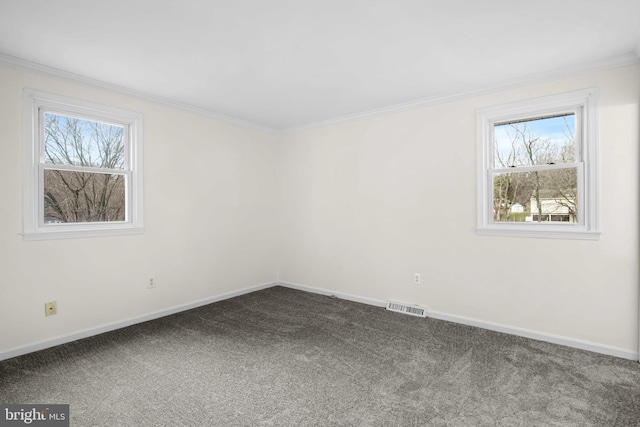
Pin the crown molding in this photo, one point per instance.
(24, 65)
(614, 62)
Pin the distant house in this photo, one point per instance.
(517, 208)
(552, 211)
(51, 220)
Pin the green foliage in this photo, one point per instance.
(517, 217)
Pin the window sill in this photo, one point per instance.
(78, 234)
(566, 232)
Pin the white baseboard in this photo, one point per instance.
(540, 336)
(341, 295)
(74, 336)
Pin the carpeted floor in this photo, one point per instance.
(281, 357)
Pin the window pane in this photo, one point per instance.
(540, 141)
(71, 196)
(79, 142)
(536, 196)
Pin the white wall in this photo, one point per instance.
(360, 207)
(209, 223)
(364, 205)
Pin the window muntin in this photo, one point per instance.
(83, 168)
(537, 168)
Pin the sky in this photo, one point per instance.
(555, 129)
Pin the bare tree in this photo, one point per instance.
(79, 195)
(504, 185)
(564, 182)
(537, 151)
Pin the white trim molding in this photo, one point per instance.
(24, 65)
(526, 333)
(491, 326)
(86, 333)
(341, 295)
(615, 62)
(536, 335)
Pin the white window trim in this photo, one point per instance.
(34, 101)
(583, 102)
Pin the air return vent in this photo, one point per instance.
(413, 310)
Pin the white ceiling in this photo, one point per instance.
(283, 64)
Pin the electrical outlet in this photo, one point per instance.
(152, 283)
(50, 308)
(416, 279)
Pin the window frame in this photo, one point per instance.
(36, 104)
(583, 103)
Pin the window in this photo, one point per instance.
(83, 168)
(537, 168)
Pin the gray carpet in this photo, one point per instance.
(281, 357)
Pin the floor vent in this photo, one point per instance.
(413, 310)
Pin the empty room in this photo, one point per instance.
(319, 213)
